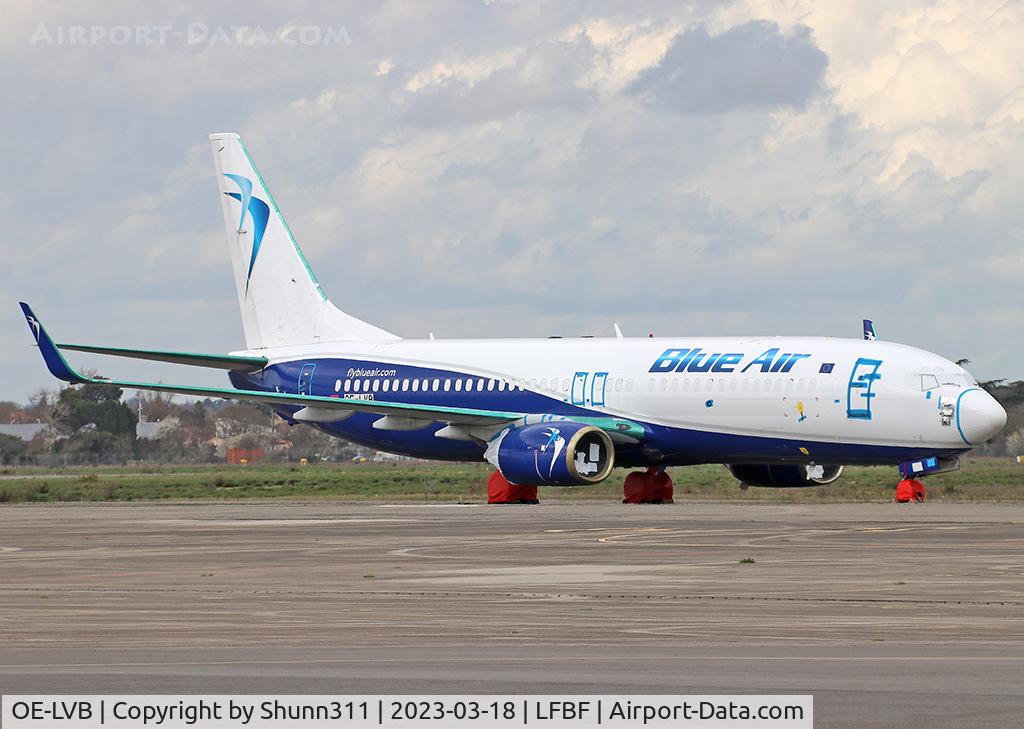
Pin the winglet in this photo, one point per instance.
(869, 330)
(51, 355)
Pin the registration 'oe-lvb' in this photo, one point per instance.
(778, 411)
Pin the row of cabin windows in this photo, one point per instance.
(745, 384)
(479, 384)
(468, 384)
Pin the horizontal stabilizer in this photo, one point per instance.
(216, 361)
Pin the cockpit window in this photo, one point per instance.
(929, 382)
(961, 379)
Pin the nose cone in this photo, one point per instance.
(978, 416)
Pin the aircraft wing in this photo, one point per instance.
(217, 361)
(60, 369)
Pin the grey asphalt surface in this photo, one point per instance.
(891, 615)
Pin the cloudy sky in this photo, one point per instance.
(521, 168)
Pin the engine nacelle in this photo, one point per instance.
(560, 453)
(784, 476)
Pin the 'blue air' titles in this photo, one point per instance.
(696, 360)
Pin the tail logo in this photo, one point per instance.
(35, 326)
(258, 210)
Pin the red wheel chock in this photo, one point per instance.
(502, 491)
(647, 487)
(909, 489)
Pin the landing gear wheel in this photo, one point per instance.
(502, 491)
(652, 486)
(909, 489)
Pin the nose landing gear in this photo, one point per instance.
(909, 490)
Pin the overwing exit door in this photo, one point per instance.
(306, 378)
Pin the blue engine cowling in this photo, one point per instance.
(561, 453)
(785, 475)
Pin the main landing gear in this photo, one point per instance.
(652, 486)
(502, 491)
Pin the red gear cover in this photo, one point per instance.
(501, 491)
(647, 487)
(909, 489)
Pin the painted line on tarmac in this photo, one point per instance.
(488, 594)
(511, 659)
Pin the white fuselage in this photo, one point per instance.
(795, 388)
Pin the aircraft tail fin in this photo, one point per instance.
(281, 300)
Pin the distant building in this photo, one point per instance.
(24, 431)
(147, 430)
(245, 455)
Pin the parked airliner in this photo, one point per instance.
(779, 411)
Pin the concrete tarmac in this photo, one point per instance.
(891, 615)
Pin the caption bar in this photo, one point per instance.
(412, 712)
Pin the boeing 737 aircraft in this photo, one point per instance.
(778, 411)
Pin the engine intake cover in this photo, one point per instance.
(561, 453)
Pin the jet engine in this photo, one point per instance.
(784, 476)
(560, 453)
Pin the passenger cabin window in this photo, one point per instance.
(415, 385)
(458, 385)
